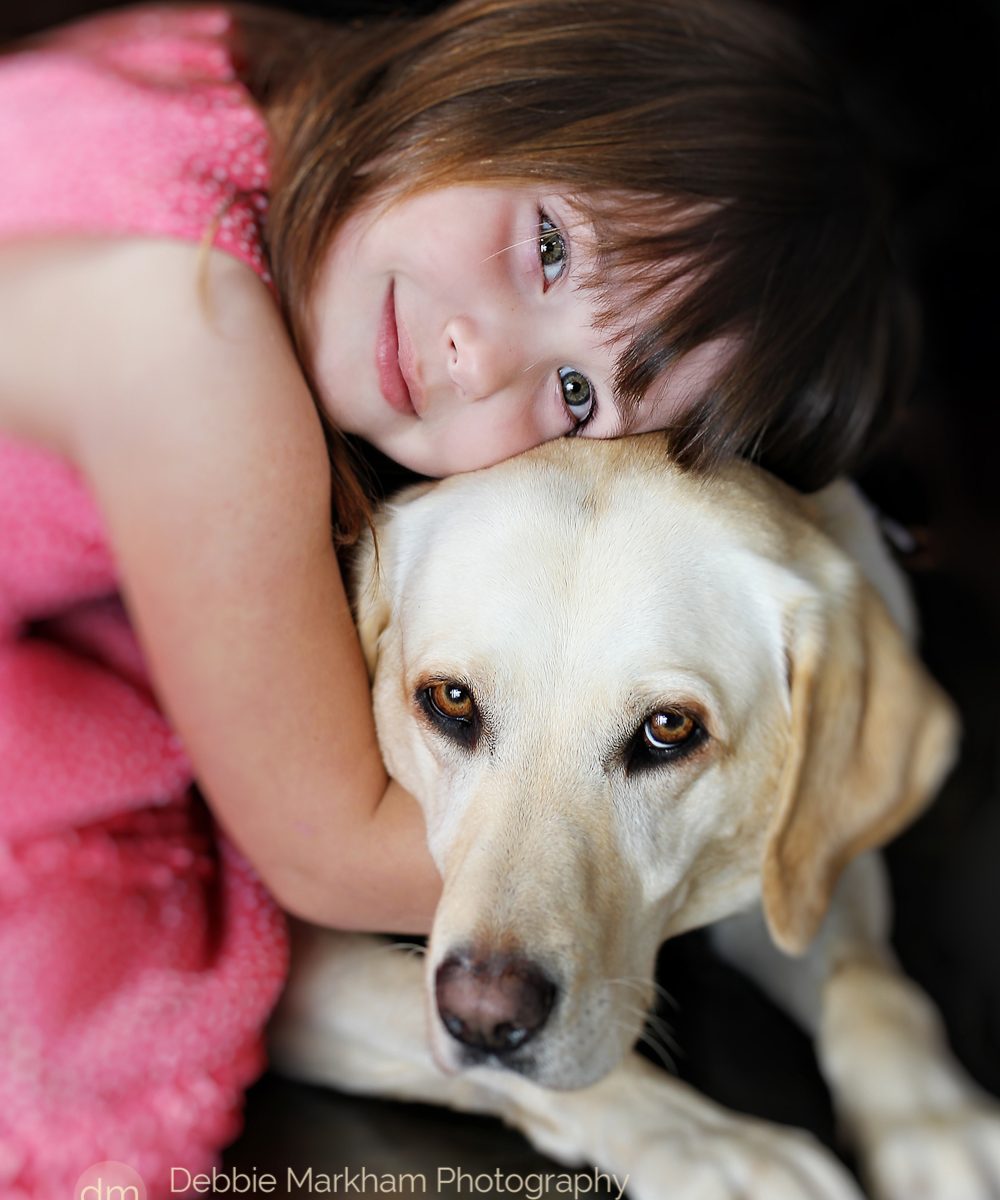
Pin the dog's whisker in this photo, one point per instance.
(645, 982)
(644, 986)
(658, 1024)
(382, 948)
(632, 1009)
(416, 949)
(645, 1011)
(662, 1054)
(659, 1039)
(665, 996)
(656, 1029)
(664, 1033)
(628, 1031)
(660, 1051)
(633, 982)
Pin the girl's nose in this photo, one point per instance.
(482, 360)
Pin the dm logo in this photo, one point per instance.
(110, 1181)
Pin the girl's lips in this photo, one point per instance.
(390, 377)
(408, 369)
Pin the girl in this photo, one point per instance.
(457, 236)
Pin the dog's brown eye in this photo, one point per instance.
(664, 737)
(664, 730)
(452, 711)
(451, 701)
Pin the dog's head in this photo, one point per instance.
(630, 702)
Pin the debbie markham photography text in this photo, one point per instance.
(306, 1181)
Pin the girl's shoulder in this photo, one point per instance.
(127, 332)
(151, 387)
(133, 123)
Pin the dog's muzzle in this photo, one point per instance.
(493, 1004)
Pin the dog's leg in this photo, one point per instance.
(354, 1018)
(922, 1128)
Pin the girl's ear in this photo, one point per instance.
(871, 739)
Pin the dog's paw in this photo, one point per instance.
(955, 1156)
(738, 1160)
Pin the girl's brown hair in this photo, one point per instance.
(704, 139)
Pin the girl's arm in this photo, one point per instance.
(194, 427)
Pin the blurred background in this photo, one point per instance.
(924, 82)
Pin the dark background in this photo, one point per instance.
(923, 83)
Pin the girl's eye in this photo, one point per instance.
(552, 250)
(553, 253)
(578, 394)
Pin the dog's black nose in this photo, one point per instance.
(494, 1003)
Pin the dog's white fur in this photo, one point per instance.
(573, 592)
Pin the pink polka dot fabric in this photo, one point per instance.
(134, 124)
(139, 954)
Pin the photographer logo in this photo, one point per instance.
(110, 1181)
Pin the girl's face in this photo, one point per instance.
(451, 330)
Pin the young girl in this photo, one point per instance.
(225, 237)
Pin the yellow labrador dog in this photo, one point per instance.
(632, 702)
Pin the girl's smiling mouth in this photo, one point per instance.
(391, 382)
(408, 369)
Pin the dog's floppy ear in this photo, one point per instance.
(370, 573)
(872, 736)
(369, 594)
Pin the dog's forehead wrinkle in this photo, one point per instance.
(570, 612)
(521, 506)
(572, 489)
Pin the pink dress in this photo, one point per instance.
(139, 954)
